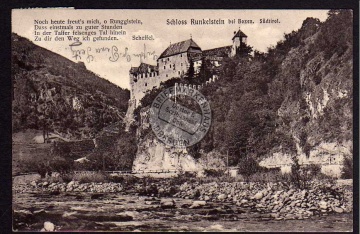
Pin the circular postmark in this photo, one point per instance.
(175, 124)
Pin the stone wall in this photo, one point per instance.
(173, 66)
(144, 82)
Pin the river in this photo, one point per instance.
(124, 212)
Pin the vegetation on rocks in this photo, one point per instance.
(290, 99)
(348, 168)
(54, 94)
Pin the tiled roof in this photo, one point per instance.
(178, 48)
(133, 70)
(239, 34)
(143, 68)
(220, 51)
(194, 56)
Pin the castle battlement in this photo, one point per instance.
(175, 61)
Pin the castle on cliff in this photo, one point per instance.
(175, 62)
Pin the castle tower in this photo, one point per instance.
(238, 38)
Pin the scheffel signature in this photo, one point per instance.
(88, 53)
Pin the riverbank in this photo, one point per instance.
(79, 211)
(274, 200)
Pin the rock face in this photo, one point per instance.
(154, 155)
(323, 83)
(323, 153)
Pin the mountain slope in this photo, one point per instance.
(52, 93)
(292, 99)
(296, 99)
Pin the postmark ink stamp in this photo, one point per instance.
(175, 124)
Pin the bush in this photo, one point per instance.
(347, 169)
(39, 166)
(147, 180)
(312, 169)
(269, 176)
(61, 165)
(53, 179)
(273, 170)
(86, 166)
(248, 166)
(183, 177)
(125, 180)
(66, 178)
(213, 173)
(117, 179)
(300, 176)
(323, 177)
(96, 177)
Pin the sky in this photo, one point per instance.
(154, 23)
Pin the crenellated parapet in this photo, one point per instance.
(176, 61)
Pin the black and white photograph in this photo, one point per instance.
(182, 120)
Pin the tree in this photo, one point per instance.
(205, 72)
(190, 73)
(347, 169)
(259, 55)
(46, 113)
(244, 50)
(248, 166)
(126, 149)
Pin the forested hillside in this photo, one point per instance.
(290, 99)
(54, 94)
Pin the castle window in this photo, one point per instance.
(179, 72)
(166, 75)
(181, 64)
(145, 84)
(146, 75)
(170, 65)
(164, 67)
(168, 59)
(181, 55)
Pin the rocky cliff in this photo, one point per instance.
(153, 155)
(317, 111)
(294, 100)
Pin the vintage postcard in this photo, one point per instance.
(182, 120)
